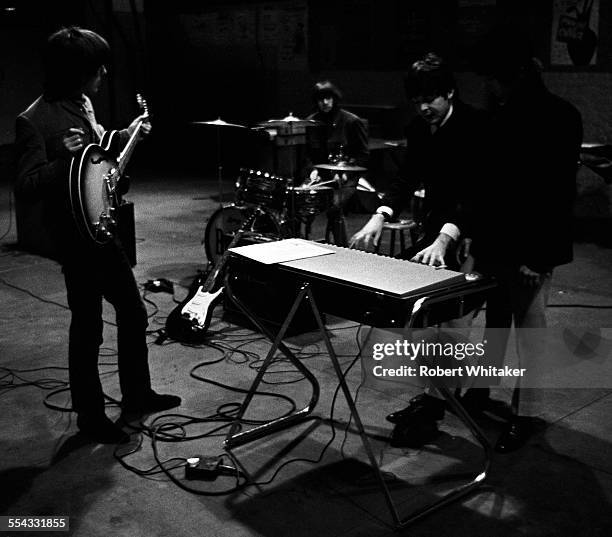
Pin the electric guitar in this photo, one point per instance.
(94, 180)
(189, 321)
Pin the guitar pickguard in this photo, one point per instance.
(198, 309)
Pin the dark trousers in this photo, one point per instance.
(511, 302)
(105, 274)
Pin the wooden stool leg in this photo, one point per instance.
(402, 241)
(392, 245)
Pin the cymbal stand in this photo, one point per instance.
(219, 167)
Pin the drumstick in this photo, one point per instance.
(314, 185)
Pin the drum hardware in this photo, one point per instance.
(289, 124)
(597, 158)
(306, 203)
(343, 169)
(364, 186)
(218, 123)
(341, 166)
(261, 189)
(288, 138)
(226, 221)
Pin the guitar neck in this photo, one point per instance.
(214, 273)
(128, 150)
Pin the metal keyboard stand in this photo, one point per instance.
(236, 437)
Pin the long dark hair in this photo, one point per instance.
(71, 57)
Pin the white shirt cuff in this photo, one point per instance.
(383, 209)
(451, 230)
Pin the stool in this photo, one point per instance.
(395, 228)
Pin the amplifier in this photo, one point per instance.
(269, 301)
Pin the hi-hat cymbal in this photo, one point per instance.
(219, 123)
(341, 167)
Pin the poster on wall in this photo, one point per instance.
(575, 32)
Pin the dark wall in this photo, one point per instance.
(248, 61)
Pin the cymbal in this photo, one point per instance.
(290, 119)
(218, 123)
(341, 167)
(590, 145)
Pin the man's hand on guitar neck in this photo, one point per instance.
(145, 126)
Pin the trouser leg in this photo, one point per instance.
(529, 320)
(498, 322)
(131, 315)
(85, 338)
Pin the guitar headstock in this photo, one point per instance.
(142, 103)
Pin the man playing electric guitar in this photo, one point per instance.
(56, 127)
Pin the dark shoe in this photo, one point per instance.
(478, 403)
(515, 435)
(151, 403)
(422, 408)
(101, 430)
(414, 436)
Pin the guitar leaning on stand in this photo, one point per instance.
(189, 321)
(95, 182)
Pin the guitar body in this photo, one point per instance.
(93, 185)
(94, 178)
(190, 320)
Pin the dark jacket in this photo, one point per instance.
(526, 202)
(445, 164)
(338, 128)
(42, 170)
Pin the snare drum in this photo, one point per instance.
(309, 201)
(227, 220)
(262, 189)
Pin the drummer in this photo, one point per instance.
(343, 138)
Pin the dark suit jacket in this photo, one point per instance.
(43, 166)
(526, 201)
(446, 164)
(340, 128)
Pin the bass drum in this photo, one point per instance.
(225, 221)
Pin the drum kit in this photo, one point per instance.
(269, 206)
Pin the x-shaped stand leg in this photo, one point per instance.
(236, 437)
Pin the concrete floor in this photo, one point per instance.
(560, 484)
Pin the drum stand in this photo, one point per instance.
(237, 437)
(219, 168)
(336, 228)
